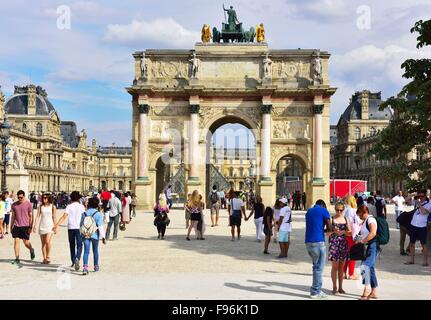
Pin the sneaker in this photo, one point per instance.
(16, 261)
(85, 271)
(96, 268)
(32, 255)
(188, 239)
(320, 296)
(76, 265)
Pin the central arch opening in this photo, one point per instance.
(231, 156)
(290, 181)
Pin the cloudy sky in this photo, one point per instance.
(86, 68)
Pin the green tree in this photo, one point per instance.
(410, 128)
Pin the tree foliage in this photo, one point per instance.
(410, 128)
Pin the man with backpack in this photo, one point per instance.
(214, 205)
(380, 204)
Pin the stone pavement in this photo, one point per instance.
(139, 266)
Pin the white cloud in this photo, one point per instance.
(326, 8)
(163, 31)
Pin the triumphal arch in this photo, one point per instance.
(179, 97)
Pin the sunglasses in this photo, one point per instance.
(339, 210)
(20, 197)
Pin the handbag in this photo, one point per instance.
(358, 252)
(405, 218)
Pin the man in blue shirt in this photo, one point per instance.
(315, 220)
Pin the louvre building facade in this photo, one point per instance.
(54, 155)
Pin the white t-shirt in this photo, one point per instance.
(399, 201)
(236, 204)
(419, 219)
(74, 211)
(285, 212)
(8, 205)
(276, 214)
(350, 214)
(364, 231)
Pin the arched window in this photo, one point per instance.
(39, 129)
(230, 172)
(357, 133)
(24, 127)
(373, 131)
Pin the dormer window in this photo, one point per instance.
(24, 127)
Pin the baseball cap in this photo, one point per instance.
(283, 200)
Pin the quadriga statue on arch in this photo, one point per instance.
(232, 29)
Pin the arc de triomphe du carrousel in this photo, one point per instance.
(180, 97)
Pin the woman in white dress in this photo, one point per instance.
(46, 213)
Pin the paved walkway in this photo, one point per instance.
(139, 266)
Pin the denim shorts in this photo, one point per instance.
(283, 236)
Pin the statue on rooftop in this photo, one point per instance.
(260, 33)
(206, 34)
(232, 20)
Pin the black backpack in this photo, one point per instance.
(214, 197)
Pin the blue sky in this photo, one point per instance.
(85, 69)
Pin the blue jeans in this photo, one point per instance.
(317, 252)
(75, 244)
(95, 245)
(367, 266)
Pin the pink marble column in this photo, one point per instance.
(317, 143)
(143, 142)
(265, 142)
(193, 141)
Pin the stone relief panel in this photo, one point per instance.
(162, 129)
(292, 129)
(168, 111)
(167, 69)
(291, 69)
(293, 111)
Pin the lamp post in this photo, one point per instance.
(98, 161)
(4, 138)
(333, 170)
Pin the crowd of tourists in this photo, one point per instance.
(89, 220)
(355, 232)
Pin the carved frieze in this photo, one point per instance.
(292, 111)
(167, 69)
(168, 111)
(292, 129)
